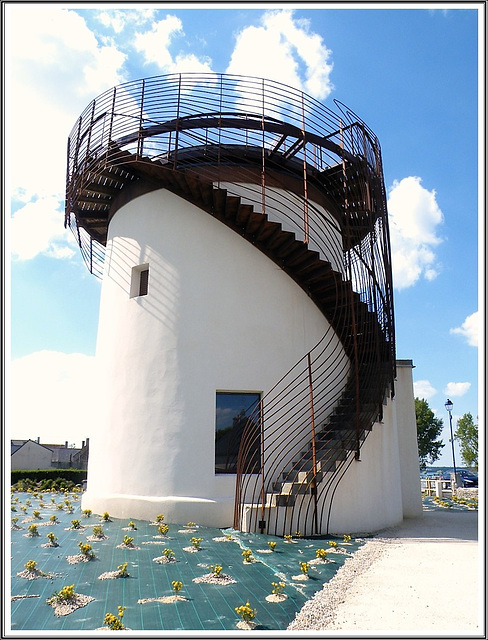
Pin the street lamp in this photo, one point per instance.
(449, 406)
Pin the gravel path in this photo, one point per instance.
(422, 576)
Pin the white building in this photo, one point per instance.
(246, 338)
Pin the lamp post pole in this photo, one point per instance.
(449, 406)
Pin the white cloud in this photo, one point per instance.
(469, 329)
(414, 219)
(423, 389)
(279, 49)
(119, 19)
(457, 389)
(53, 395)
(154, 44)
(54, 67)
(38, 228)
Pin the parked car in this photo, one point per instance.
(469, 479)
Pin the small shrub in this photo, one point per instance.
(98, 531)
(159, 517)
(195, 542)
(52, 539)
(278, 588)
(333, 544)
(168, 553)
(86, 513)
(75, 524)
(163, 529)
(122, 568)
(115, 622)
(247, 554)
(32, 529)
(30, 565)
(53, 518)
(65, 594)
(177, 585)
(321, 553)
(37, 515)
(347, 538)
(245, 612)
(86, 549)
(106, 516)
(132, 525)
(190, 525)
(127, 541)
(304, 568)
(216, 569)
(272, 545)
(288, 537)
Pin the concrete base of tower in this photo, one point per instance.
(176, 509)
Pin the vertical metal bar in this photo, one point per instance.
(177, 124)
(140, 139)
(305, 191)
(111, 124)
(263, 493)
(314, 452)
(263, 177)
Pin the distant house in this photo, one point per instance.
(31, 454)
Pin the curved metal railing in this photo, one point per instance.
(272, 152)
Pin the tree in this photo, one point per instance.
(467, 434)
(428, 429)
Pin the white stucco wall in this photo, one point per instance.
(383, 488)
(219, 315)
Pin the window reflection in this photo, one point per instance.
(237, 416)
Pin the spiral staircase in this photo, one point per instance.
(310, 427)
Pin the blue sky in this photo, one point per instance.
(411, 72)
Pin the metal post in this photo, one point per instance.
(314, 453)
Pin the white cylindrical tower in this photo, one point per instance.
(246, 340)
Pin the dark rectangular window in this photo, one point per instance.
(143, 282)
(237, 419)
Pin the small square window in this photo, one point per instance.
(139, 281)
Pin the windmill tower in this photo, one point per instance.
(246, 335)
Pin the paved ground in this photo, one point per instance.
(428, 580)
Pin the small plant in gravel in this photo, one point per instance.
(14, 521)
(31, 565)
(106, 516)
(13, 508)
(60, 506)
(53, 541)
(168, 553)
(277, 588)
(176, 585)
(114, 622)
(75, 524)
(98, 531)
(190, 525)
(32, 530)
(333, 544)
(246, 612)
(65, 594)
(86, 513)
(272, 545)
(159, 517)
(122, 569)
(195, 542)
(86, 550)
(288, 537)
(347, 537)
(53, 518)
(163, 529)
(247, 555)
(304, 566)
(36, 514)
(132, 525)
(321, 554)
(128, 541)
(216, 569)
